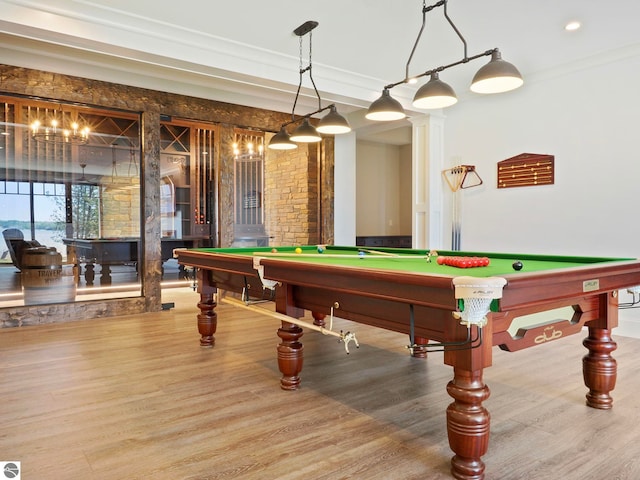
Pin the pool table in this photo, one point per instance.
(116, 251)
(409, 291)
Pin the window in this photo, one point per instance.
(39, 211)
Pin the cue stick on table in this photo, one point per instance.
(377, 252)
(345, 337)
(329, 255)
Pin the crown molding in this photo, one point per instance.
(102, 39)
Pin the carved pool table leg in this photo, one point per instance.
(468, 424)
(599, 368)
(89, 273)
(207, 318)
(318, 319)
(105, 274)
(290, 355)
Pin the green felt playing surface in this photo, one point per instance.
(414, 260)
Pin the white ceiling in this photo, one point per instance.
(245, 52)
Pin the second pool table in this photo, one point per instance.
(400, 290)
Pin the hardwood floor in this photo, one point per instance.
(136, 397)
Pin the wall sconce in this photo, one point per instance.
(497, 76)
(333, 123)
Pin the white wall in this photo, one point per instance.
(589, 121)
(344, 200)
(405, 217)
(383, 189)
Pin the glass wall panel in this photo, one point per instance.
(69, 203)
(188, 192)
(248, 149)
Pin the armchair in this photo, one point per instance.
(16, 244)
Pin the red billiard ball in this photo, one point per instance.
(441, 260)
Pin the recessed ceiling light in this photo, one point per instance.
(572, 26)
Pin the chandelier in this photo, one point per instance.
(333, 123)
(60, 128)
(497, 76)
(248, 144)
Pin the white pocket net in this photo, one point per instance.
(477, 294)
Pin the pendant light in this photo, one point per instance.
(497, 76)
(434, 94)
(305, 133)
(281, 141)
(333, 123)
(385, 108)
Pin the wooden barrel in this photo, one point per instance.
(44, 280)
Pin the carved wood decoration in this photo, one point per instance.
(526, 170)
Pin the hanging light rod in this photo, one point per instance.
(441, 68)
(333, 123)
(309, 115)
(497, 76)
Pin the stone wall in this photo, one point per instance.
(299, 194)
(290, 179)
(120, 208)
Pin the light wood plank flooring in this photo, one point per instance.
(137, 398)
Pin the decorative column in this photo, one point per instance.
(151, 266)
(427, 192)
(344, 190)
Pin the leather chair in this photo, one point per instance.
(16, 244)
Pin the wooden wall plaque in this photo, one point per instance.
(526, 170)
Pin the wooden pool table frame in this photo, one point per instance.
(381, 298)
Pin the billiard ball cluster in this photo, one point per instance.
(463, 262)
